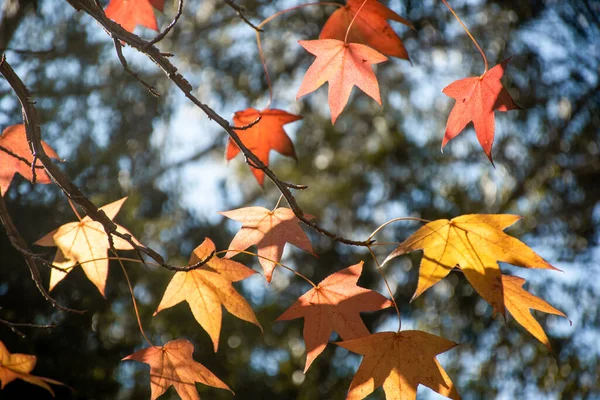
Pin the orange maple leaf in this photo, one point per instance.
(474, 243)
(85, 242)
(344, 65)
(19, 366)
(399, 361)
(370, 27)
(14, 139)
(476, 99)
(334, 305)
(269, 231)
(268, 134)
(207, 289)
(130, 13)
(519, 302)
(173, 364)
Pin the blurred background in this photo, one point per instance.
(375, 164)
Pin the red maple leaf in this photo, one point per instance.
(268, 134)
(476, 99)
(130, 13)
(344, 65)
(370, 27)
(334, 305)
(14, 140)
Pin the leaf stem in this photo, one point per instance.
(485, 61)
(135, 307)
(273, 261)
(387, 285)
(261, 54)
(353, 19)
(278, 201)
(277, 14)
(395, 220)
(385, 244)
(74, 209)
(259, 44)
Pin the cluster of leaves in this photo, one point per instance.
(355, 37)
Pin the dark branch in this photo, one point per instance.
(164, 33)
(22, 159)
(248, 126)
(13, 326)
(194, 266)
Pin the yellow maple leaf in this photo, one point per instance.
(399, 361)
(474, 243)
(519, 302)
(207, 289)
(18, 366)
(85, 242)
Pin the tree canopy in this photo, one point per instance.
(116, 139)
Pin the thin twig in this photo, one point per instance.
(31, 52)
(197, 265)
(119, 49)
(248, 126)
(18, 157)
(33, 172)
(240, 12)
(164, 33)
(13, 326)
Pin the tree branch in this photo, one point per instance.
(33, 131)
(118, 33)
(13, 326)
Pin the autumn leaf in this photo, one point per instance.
(370, 27)
(334, 305)
(344, 65)
(14, 140)
(85, 242)
(173, 364)
(268, 134)
(130, 13)
(207, 289)
(19, 366)
(269, 231)
(519, 301)
(476, 99)
(474, 243)
(399, 361)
